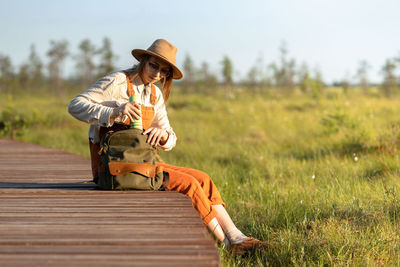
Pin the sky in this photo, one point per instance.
(333, 36)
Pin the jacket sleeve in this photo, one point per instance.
(161, 121)
(94, 106)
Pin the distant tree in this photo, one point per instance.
(305, 81)
(318, 77)
(23, 78)
(267, 79)
(84, 63)
(107, 58)
(255, 75)
(189, 70)
(252, 77)
(227, 70)
(284, 72)
(362, 75)
(397, 62)
(204, 71)
(6, 68)
(389, 80)
(6, 73)
(206, 78)
(345, 83)
(57, 54)
(317, 83)
(35, 69)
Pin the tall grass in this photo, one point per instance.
(318, 176)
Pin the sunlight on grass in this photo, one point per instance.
(317, 176)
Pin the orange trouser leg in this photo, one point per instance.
(198, 186)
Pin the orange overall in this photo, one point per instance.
(193, 183)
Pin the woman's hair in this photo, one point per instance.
(166, 82)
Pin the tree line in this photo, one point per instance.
(285, 75)
(91, 62)
(34, 75)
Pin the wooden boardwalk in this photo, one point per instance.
(51, 216)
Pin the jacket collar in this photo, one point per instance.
(140, 86)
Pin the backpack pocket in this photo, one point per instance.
(138, 176)
(129, 162)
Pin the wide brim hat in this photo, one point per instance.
(163, 50)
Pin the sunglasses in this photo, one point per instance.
(156, 68)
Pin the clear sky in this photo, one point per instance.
(332, 35)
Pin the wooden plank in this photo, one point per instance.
(51, 215)
(117, 231)
(46, 185)
(117, 221)
(98, 194)
(35, 209)
(108, 260)
(126, 230)
(105, 249)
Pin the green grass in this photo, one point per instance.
(317, 176)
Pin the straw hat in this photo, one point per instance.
(163, 50)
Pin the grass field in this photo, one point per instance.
(317, 176)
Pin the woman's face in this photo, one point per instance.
(154, 70)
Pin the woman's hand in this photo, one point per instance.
(131, 109)
(156, 136)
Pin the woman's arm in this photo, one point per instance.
(160, 129)
(101, 104)
(94, 105)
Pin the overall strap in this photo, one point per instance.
(129, 84)
(131, 92)
(153, 97)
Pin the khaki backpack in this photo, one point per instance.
(129, 162)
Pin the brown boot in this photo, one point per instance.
(248, 245)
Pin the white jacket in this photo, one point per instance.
(96, 104)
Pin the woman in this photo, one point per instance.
(106, 106)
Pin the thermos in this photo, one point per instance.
(137, 124)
